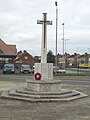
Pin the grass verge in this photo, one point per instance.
(72, 74)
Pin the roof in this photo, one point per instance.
(81, 56)
(7, 49)
(23, 54)
(84, 55)
(72, 56)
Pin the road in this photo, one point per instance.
(76, 82)
(76, 70)
(72, 80)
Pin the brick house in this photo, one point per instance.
(84, 59)
(72, 60)
(7, 52)
(24, 58)
(60, 59)
(37, 59)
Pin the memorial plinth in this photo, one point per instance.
(43, 86)
(45, 69)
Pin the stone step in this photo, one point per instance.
(14, 92)
(5, 94)
(25, 91)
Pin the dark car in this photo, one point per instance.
(9, 68)
(57, 69)
(25, 69)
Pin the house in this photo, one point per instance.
(84, 60)
(59, 59)
(63, 59)
(72, 60)
(24, 58)
(37, 59)
(7, 52)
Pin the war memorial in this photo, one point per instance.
(43, 87)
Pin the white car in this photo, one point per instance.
(25, 69)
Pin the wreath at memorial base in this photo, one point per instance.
(37, 76)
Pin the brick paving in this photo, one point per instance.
(21, 110)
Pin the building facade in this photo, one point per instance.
(7, 53)
(24, 58)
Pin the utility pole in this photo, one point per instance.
(63, 45)
(56, 62)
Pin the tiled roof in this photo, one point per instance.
(84, 55)
(81, 56)
(23, 54)
(7, 49)
(72, 56)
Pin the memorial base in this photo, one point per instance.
(43, 86)
(43, 91)
(45, 69)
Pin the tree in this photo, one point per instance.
(50, 57)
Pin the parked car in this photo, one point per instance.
(25, 69)
(9, 68)
(57, 69)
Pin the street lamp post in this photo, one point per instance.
(56, 30)
(63, 44)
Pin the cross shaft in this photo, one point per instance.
(44, 23)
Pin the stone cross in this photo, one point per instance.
(44, 23)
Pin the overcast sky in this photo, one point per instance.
(18, 24)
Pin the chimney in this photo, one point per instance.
(24, 51)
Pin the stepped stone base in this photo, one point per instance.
(43, 91)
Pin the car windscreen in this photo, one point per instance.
(25, 66)
(56, 68)
(9, 66)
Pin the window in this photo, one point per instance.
(26, 57)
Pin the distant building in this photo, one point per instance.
(24, 58)
(60, 59)
(37, 59)
(72, 60)
(84, 60)
(7, 52)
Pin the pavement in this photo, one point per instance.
(20, 110)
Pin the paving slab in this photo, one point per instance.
(22, 118)
(4, 118)
(21, 113)
(5, 113)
